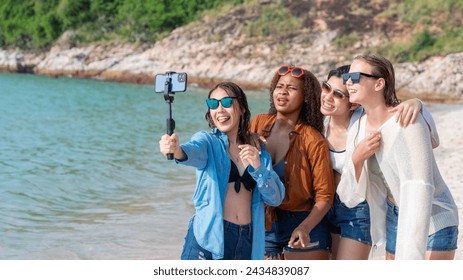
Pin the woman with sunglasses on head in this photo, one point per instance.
(350, 227)
(300, 155)
(394, 169)
(234, 177)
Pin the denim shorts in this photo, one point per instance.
(278, 237)
(237, 244)
(352, 223)
(442, 240)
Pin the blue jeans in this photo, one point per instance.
(237, 244)
(278, 237)
(442, 240)
(238, 241)
(352, 223)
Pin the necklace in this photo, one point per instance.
(234, 153)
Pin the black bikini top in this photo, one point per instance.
(247, 179)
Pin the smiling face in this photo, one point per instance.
(331, 104)
(288, 95)
(365, 88)
(225, 119)
(358, 92)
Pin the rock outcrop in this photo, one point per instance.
(212, 50)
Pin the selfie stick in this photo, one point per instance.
(169, 99)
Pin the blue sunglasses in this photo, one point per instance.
(355, 77)
(226, 102)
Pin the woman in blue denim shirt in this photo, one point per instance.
(234, 178)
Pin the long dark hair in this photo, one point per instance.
(338, 72)
(234, 90)
(310, 113)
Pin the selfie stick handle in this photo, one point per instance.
(170, 121)
(170, 129)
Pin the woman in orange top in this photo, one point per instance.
(301, 158)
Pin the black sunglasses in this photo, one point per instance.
(226, 102)
(337, 92)
(355, 77)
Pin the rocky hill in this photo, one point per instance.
(224, 47)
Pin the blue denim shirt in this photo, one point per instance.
(208, 152)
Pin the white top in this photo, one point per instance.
(338, 157)
(337, 160)
(407, 162)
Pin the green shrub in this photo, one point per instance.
(423, 45)
(346, 41)
(39, 23)
(273, 20)
(32, 24)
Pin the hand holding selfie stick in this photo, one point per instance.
(169, 99)
(170, 83)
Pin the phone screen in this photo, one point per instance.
(177, 83)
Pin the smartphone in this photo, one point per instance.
(177, 83)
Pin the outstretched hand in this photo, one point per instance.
(170, 144)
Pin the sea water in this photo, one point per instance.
(81, 175)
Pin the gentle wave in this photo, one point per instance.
(81, 176)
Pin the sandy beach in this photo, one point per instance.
(449, 155)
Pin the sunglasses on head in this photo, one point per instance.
(295, 71)
(355, 77)
(226, 102)
(336, 92)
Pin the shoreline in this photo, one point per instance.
(435, 79)
(132, 78)
(145, 79)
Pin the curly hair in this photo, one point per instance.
(234, 90)
(310, 113)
